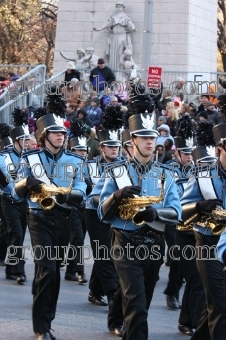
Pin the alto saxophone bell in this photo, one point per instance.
(45, 199)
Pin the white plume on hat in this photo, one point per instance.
(70, 66)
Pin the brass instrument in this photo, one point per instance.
(45, 199)
(129, 207)
(216, 221)
(188, 224)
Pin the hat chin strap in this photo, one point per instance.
(127, 150)
(22, 148)
(139, 150)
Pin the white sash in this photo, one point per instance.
(34, 160)
(206, 186)
(94, 172)
(121, 177)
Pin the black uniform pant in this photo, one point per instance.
(212, 325)
(75, 253)
(49, 234)
(16, 222)
(3, 235)
(103, 280)
(138, 273)
(175, 277)
(193, 301)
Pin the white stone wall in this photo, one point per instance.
(182, 37)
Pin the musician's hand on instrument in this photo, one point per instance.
(208, 205)
(147, 215)
(62, 198)
(127, 192)
(34, 184)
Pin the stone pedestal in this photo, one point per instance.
(177, 35)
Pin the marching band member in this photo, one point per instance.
(202, 203)
(52, 165)
(142, 233)
(103, 280)
(75, 265)
(5, 144)
(15, 212)
(180, 168)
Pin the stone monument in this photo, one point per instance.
(177, 35)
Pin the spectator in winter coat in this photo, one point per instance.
(212, 114)
(164, 132)
(71, 72)
(94, 112)
(82, 115)
(166, 97)
(101, 74)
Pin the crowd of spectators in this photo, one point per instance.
(169, 105)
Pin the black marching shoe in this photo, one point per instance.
(21, 279)
(117, 330)
(11, 277)
(82, 279)
(70, 277)
(172, 302)
(97, 300)
(185, 329)
(44, 336)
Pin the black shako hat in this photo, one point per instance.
(5, 140)
(205, 141)
(184, 145)
(204, 154)
(20, 132)
(78, 143)
(6, 143)
(109, 137)
(126, 138)
(143, 125)
(51, 123)
(219, 132)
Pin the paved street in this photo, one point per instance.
(76, 318)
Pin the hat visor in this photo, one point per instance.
(24, 137)
(111, 143)
(128, 143)
(209, 159)
(79, 147)
(186, 150)
(146, 133)
(56, 129)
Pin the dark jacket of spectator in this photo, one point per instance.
(73, 74)
(82, 115)
(213, 116)
(94, 114)
(106, 74)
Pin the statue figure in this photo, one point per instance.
(81, 61)
(91, 57)
(120, 24)
(127, 63)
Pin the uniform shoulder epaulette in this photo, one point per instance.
(3, 152)
(31, 152)
(71, 153)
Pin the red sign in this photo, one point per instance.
(154, 77)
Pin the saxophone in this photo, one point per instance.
(216, 221)
(45, 199)
(129, 207)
